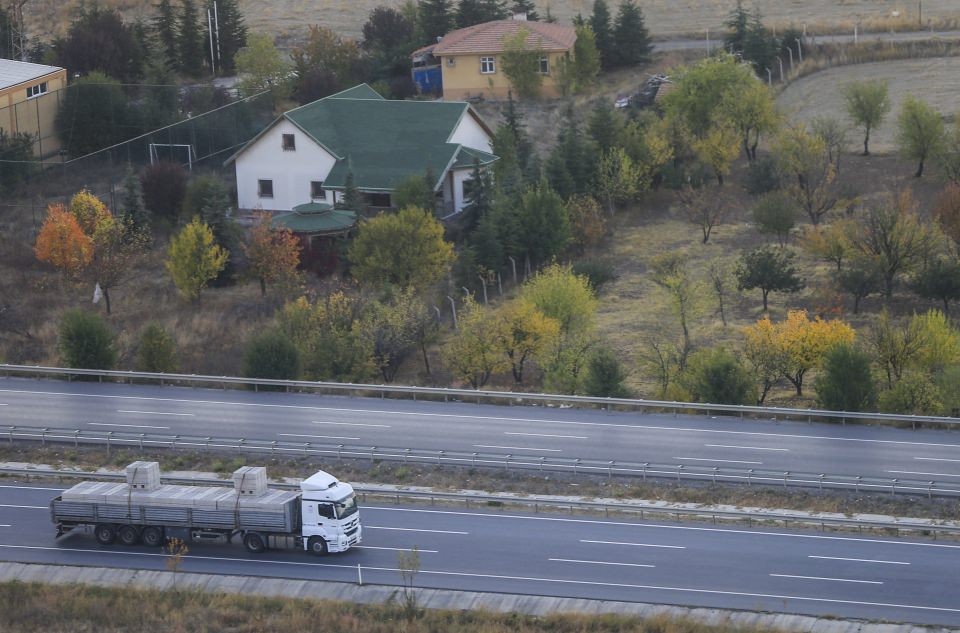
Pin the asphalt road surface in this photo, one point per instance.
(717, 40)
(868, 451)
(685, 564)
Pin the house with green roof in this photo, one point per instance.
(309, 153)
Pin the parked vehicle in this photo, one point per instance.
(322, 517)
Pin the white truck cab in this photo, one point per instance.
(331, 521)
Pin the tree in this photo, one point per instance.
(913, 394)
(164, 186)
(470, 12)
(94, 114)
(704, 90)
(703, 207)
(571, 166)
(528, 8)
(717, 377)
(894, 237)
(194, 259)
(600, 24)
(605, 375)
(524, 332)
(617, 178)
(867, 104)
(586, 60)
(563, 296)
(435, 19)
(521, 63)
(190, 52)
(405, 249)
(165, 26)
(752, 110)
(671, 272)
(770, 270)
(157, 351)
(474, 353)
(949, 155)
(860, 280)
(386, 30)
(85, 341)
(776, 214)
(132, 209)
(759, 46)
(766, 359)
(720, 275)
(846, 382)
(230, 35)
(262, 67)
(631, 40)
(98, 41)
(809, 173)
(832, 242)
(16, 156)
(117, 245)
(274, 254)
(940, 281)
(587, 223)
(738, 24)
(394, 328)
(478, 195)
(270, 354)
(718, 149)
(947, 211)
(542, 223)
(62, 243)
(919, 131)
(833, 133)
(327, 63)
(415, 191)
(605, 125)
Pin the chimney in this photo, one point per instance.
(520, 17)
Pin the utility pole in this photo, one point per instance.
(18, 32)
(213, 60)
(216, 27)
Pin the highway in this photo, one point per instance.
(868, 451)
(865, 38)
(697, 564)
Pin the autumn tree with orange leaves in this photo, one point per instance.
(62, 243)
(274, 254)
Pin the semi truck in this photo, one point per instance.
(321, 517)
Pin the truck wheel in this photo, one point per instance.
(128, 535)
(152, 536)
(254, 543)
(317, 546)
(105, 533)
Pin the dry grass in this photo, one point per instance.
(936, 81)
(37, 608)
(286, 18)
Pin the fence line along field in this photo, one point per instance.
(49, 18)
(935, 80)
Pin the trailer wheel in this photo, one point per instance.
(128, 535)
(105, 533)
(317, 546)
(152, 536)
(254, 543)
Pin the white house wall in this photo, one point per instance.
(290, 170)
(469, 133)
(460, 176)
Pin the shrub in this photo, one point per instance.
(164, 186)
(716, 376)
(86, 341)
(762, 177)
(597, 272)
(605, 376)
(158, 352)
(271, 355)
(776, 214)
(846, 383)
(913, 394)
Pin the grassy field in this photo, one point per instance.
(288, 18)
(936, 81)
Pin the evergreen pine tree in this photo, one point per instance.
(436, 19)
(352, 199)
(190, 54)
(165, 25)
(132, 209)
(470, 12)
(602, 32)
(738, 22)
(528, 7)
(513, 121)
(759, 47)
(479, 196)
(231, 35)
(6, 34)
(507, 171)
(631, 40)
(495, 9)
(549, 18)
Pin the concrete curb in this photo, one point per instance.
(431, 598)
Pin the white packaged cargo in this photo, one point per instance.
(143, 475)
(250, 481)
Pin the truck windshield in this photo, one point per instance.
(346, 507)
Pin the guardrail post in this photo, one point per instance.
(440, 457)
(785, 476)
(575, 464)
(406, 454)
(140, 439)
(43, 436)
(820, 482)
(610, 470)
(240, 444)
(273, 447)
(715, 469)
(541, 463)
(473, 462)
(893, 487)
(306, 448)
(930, 491)
(373, 449)
(645, 464)
(506, 462)
(913, 422)
(109, 435)
(749, 475)
(857, 486)
(679, 468)
(76, 438)
(173, 442)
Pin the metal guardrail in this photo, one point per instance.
(643, 509)
(480, 395)
(576, 466)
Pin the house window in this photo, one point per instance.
(487, 66)
(289, 143)
(36, 91)
(265, 188)
(544, 66)
(451, 61)
(316, 190)
(380, 200)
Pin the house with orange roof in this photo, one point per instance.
(471, 62)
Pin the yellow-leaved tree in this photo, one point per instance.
(525, 332)
(195, 259)
(474, 352)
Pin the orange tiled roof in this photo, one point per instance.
(489, 36)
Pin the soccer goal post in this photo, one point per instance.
(182, 153)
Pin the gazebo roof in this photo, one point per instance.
(316, 218)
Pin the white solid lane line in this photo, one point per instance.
(396, 549)
(4, 525)
(861, 560)
(937, 459)
(4, 505)
(380, 527)
(128, 426)
(563, 581)
(719, 461)
(571, 437)
(634, 544)
(33, 488)
(322, 437)
(865, 582)
(597, 562)
(913, 472)
(748, 448)
(183, 415)
(380, 426)
(520, 448)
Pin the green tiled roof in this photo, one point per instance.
(363, 91)
(469, 156)
(315, 218)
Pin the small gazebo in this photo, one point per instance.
(321, 228)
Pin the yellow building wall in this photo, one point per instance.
(463, 79)
(34, 116)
